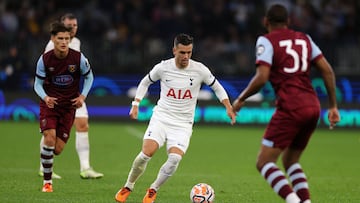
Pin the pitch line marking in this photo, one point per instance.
(134, 132)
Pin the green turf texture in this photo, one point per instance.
(221, 155)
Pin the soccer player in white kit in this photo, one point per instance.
(81, 115)
(173, 116)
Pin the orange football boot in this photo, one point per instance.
(122, 194)
(150, 196)
(47, 188)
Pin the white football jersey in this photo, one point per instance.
(74, 44)
(179, 89)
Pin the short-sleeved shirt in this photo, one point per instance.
(289, 54)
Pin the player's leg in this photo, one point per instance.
(168, 168)
(278, 136)
(82, 144)
(49, 128)
(137, 169)
(307, 120)
(52, 146)
(140, 162)
(171, 165)
(47, 158)
(178, 139)
(41, 169)
(296, 174)
(153, 139)
(165, 172)
(266, 164)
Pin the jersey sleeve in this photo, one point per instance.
(156, 72)
(316, 52)
(209, 79)
(153, 76)
(264, 51)
(219, 90)
(39, 79)
(85, 70)
(84, 65)
(40, 68)
(39, 89)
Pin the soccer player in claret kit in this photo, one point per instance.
(284, 57)
(173, 116)
(57, 83)
(81, 121)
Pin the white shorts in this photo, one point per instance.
(82, 112)
(174, 136)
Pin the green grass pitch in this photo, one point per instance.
(222, 156)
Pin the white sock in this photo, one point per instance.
(292, 198)
(166, 170)
(47, 181)
(307, 201)
(41, 147)
(137, 169)
(83, 149)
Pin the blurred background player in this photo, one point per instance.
(284, 57)
(81, 117)
(57, 83)
(173, 116)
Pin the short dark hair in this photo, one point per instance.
(67, 16)
(277, 14)
(183, 39)
(56, 27)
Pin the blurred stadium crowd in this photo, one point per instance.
(130, 36)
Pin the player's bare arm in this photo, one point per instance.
(333, 117)
(237, 105)
(134, 111)
(229, 110)
(329, 79)
(140, 92)
(256, 83)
